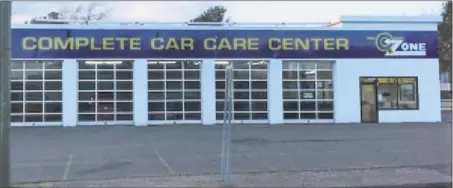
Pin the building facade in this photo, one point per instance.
(362, 69)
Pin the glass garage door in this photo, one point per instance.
(36, 93)
(307, 91)
(249, 91)
(174, 91)
(105, 92)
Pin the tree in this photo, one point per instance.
(444, 31)
(92, 11)
(213, 14)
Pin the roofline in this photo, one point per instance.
(392, 19)
(166, 27)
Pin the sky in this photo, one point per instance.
(239, 11)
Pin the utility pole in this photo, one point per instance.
(5, 61)
(226, 129)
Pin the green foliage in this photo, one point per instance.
(444, 30)
(213, 14)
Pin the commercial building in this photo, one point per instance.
(361, 69)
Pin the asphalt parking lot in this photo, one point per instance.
(96, 153)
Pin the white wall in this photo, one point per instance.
(347, 92)
(70, 92)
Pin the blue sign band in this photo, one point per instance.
(197, 44)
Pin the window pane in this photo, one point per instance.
(157, 66)
(156, 116)
(324, 65)
(259, 95)
(324, 85)
(174, 75)
(291, 115)
(87, 107)
(17, 75)
(174, 106)
(54, 107)
(290, 85)
(33, 85)
(325, 105)
(52, 117)
(192, 116)
(241, 116)
(17, 96)
(290, 106)
(192, 106)
(192, 85)
(124, 75)
(174, 85)
(105, 107)
(33, 75)
(192, 95)
(192, 64)
(290, 95)
(324, 95)
(220, 74)
(53, 64)
(105, 75)
(156, 95)
(124, 85)
(241, 106)
(407, 93)
(33, 107)
(33, 118)
(87, 96)
(155, 75)
(15, 85)
(307, 75)
(241, 85)
(387, 95)
(259, 106)
(241, 95)
(87, 85)
(259, 84)
(124, 107)
(156, 85)
(324, 75)
(290, 75)
(174, 95)
(17, 65)
(191, 75)
(290, 65)
(220, 84)
(240, 65)
(53, 85)
(17, 108)
(53, 96)
(174, 116)
(177, 65)
(156, 106)
(124, 95)
(307, 65)
(307, 106)
(53, 75)
(105, 96)
(87, 75)
(33, 65)
(125, 65)
(105, 85)
(241, 74)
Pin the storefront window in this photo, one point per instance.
(397, 93)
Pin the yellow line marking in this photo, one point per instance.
(162, 160)
(68, 167)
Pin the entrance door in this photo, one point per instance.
(368, 99)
